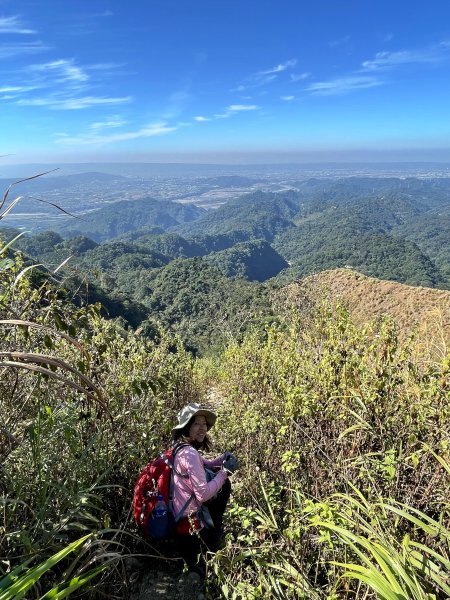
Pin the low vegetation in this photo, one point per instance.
(84, 403)
(340, 419)
(343, 433)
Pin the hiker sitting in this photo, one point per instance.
(201, 487)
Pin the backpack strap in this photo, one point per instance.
(177, 517)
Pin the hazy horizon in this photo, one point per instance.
(228, 83)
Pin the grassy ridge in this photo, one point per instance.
(419, 310)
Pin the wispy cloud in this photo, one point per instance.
(240, 107)
(62, 84)
(391, 60)
(265, 76)
(20, 48)
(280, 68)
(343, 85)
(55, 103)
(287, 98)
(177, 103)
(14, 25)
(7, 89)
(369, 75)
(94, 139)
(299, 76)
(112, 123)
(105, 13)
(234, 109)
(62, 70)
(229, 111)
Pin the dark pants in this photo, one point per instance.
(193, 546)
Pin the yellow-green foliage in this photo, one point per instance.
(97, 405)
(342, 432)
(323, 407)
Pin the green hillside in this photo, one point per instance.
(121, 217)
(169, 244)
(258, 215)
(255, 260)
(431, 233)
(341, 429)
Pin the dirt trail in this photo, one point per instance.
(152, 577)
(165, 583)
(166, 579)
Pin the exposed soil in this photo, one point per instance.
(150, 580)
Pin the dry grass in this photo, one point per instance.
(415, 309)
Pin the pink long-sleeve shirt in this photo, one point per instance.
(188, 461)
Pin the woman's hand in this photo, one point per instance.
(230, 463)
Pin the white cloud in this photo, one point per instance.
(241, 107)
(14, 25)
(390, 60)
(105, 13)
(264, 77)
(279, 68)
(93, 139)
(287, 98)
(15, 88)
(10, 50)
(63, 70)
(112, 123)
(73, 103)
(299, 76)
(231, 110)
(343, 85)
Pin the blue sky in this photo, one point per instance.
(220, 80)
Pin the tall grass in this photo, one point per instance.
(84, 405)
(22, 579)
(343, 434)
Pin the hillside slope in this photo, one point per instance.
(131, 215)
(366, 297)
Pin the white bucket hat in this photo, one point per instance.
(191, 410)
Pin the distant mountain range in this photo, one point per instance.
(187, 267)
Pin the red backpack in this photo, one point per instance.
(155, 480)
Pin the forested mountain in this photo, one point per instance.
(431, 231)
(169, 244)
(131, 215)
(254, 260)
(396, 229)
(378, 255)
(195, 300)
(259, 215)
(360, 234)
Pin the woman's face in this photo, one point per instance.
(198, 429)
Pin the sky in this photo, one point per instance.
(224, 81)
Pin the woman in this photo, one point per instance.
(199, 496)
